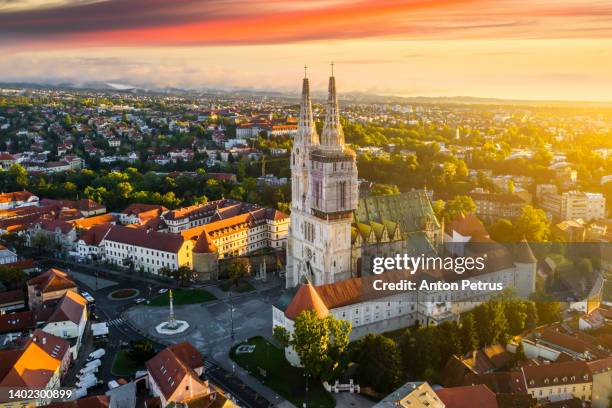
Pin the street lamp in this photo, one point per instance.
(232, 316)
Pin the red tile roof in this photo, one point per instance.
(12, 296)
(95, 234)
(306, 298)
(95, 401)
(476, 396)
(160, 241)
(548, 375)
(52, 280)
(171, 365)
(70, 308)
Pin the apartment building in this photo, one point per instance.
(572, 205)
(145, 249)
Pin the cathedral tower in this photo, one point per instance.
(320, 236)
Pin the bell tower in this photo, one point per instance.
(319, 246)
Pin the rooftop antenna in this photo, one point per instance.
(305, 71)
(332, 68)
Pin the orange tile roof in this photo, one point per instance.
(87, 223)
(15, 196)
(306, 298)
(33, 368)
(52, 280)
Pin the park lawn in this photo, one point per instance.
(280, 376)
(183, 297)
(124, 366)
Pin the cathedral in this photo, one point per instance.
(334, 236)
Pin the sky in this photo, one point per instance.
(513, 49)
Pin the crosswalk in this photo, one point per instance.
(116, 322)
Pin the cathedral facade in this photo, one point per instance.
(324, 197)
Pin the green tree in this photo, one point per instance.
(68, 121)
(460, 204)
(384, 189)
(532, 224)
(515, 311)
(320, 343)
(11, 277)
(468, 334)
(141, 351)
(236, 271)
(531, 314)
(491, 323)
(18, 177)
(502, 231)
(379, 362)
(281, 335)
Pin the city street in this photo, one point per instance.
(251, 317)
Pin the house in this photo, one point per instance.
(141, 213)
(49, 285)
(468, 396)
(7, 160)
(94, 401)
(491, 206)
(55, 347)
(601, 372)
(68, 320)
(12, 300)
(7, 256)
(174, 377)
(17, 199)
(559, 381)
(30, 367)
(412, 395)
(88, 245)
(59, 232)
(596, 319)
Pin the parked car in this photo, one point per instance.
(140, 300)
(162, 291)
(88, 297)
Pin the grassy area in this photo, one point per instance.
(395, 335)
(183, 297)
(242, 287)
(124, 366)
(268, 364)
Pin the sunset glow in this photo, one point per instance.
(525, 49)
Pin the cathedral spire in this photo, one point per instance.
(332, 136)
(307, 133)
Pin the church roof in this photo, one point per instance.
(306, 298)
(411, 211)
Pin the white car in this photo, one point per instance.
(88, 297)
(140, 300)
(162, 291)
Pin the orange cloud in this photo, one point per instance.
(243, 22)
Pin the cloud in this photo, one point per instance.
(79, 23)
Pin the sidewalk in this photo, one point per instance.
(228, 364)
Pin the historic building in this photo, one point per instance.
(333, 234)
(334, 237)
(324, 191)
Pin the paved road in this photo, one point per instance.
(121, 333)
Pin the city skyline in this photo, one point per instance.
(530, 50)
